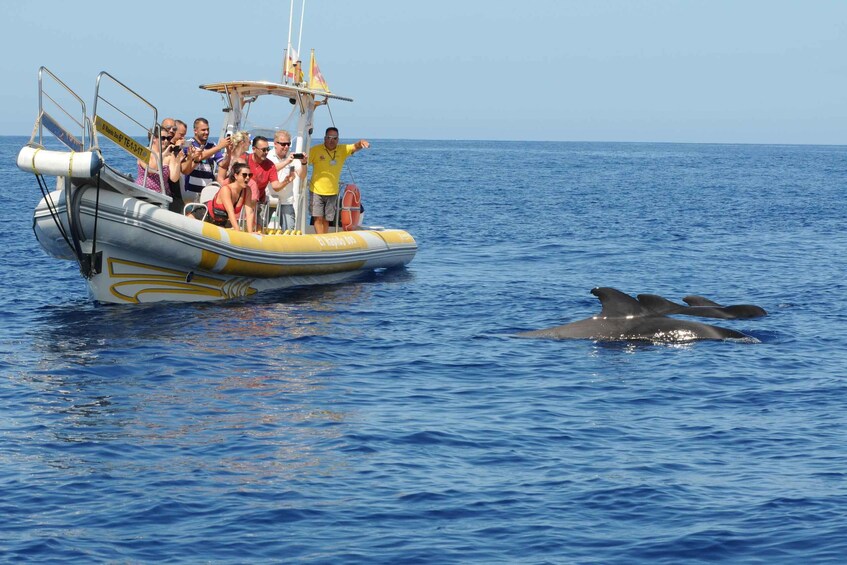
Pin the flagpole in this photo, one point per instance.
(311, 68)
(285, 63)
(300, 34)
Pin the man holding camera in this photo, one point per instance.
(327, 161)
(202, 158)
(171, 127)
(292, 162)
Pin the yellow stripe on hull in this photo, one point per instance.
(310, 243)
(396, 237)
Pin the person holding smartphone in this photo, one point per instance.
(287, 164)
(237, 153)
(264, 175)
(202, 160)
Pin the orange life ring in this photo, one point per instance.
(351, 207)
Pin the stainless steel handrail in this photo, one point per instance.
(81, 123)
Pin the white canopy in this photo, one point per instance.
(247, 88)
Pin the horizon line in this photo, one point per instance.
(492, 140)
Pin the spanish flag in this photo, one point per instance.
(292, 66)
(316, 79)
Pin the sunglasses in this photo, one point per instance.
(165, 138)
(283, 143)
(246, 175)
(330, 137)
(265, 149)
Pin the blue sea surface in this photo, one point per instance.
(395, 419)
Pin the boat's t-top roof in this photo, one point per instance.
(261, 88)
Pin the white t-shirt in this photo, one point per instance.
(286, 195)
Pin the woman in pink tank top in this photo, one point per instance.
(148, 173)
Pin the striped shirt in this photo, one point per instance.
(204, 172)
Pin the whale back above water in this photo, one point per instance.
(647, 318)
(701, 307)
(715, 310)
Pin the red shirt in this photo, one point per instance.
(263, 173)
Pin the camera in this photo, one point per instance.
(298, 155)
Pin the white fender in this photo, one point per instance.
(82, 165)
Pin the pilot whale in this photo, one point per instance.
(623, 318)
(701, 307)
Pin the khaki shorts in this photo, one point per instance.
(324, 206)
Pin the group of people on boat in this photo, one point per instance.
(245, 174)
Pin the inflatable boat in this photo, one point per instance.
(130, 246)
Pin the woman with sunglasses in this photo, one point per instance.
(225, 207)
(237, 153)
(148, 172)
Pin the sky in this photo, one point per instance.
(698, 71)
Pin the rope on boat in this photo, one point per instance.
(54, 211)
(93, 255)
(34, 168)
(86, 267)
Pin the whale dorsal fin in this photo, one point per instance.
(616, 304)
(658, 305)
(693, 300)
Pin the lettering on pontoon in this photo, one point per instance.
(123, 140)
(337, 241)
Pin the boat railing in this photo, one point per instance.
(126, 120)
(62, 113)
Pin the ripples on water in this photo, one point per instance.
(394, 419)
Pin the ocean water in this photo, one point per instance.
(395, 419)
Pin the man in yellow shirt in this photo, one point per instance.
(327, 160)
